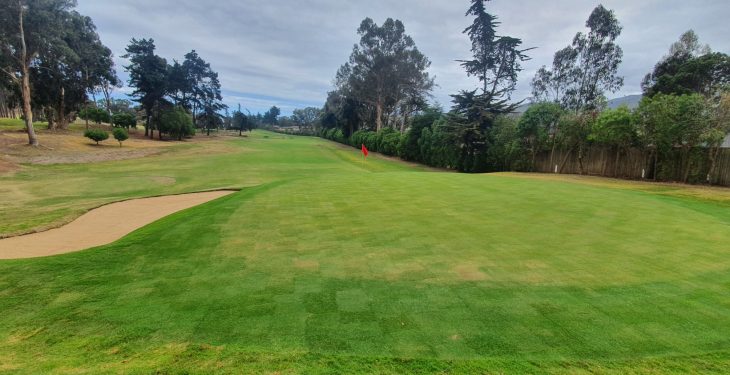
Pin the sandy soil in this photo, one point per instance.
(70, 147)
(101, 226)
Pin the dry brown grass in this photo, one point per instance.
(711, 193)
(72, 147)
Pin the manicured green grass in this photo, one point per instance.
(323, 264)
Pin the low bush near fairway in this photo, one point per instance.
(96, 135)
(120, 135)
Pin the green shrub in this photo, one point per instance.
(96, 135)
(124, 120)
(97, 115)
(365, 137)
(388, 140)
(176, 122)
(410, 145)
(337, 136)
(120, 135)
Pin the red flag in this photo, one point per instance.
(364, 151)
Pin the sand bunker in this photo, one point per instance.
(102, 225)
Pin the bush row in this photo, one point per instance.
(388, 141)
(98, 135)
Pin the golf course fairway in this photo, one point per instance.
(325, 263)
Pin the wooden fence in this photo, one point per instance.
(637, 164)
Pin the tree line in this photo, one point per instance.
(51, 58)
(52, 61)
(380, 100)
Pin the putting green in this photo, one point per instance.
(323, 264)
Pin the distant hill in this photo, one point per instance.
(631, 101)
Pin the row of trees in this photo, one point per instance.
(684, 110)
(385, 83)
(51, 58)
(167, 91)
(661, 127)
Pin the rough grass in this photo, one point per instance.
(323, 264)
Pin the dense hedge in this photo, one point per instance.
(669, 138)
(387, 141)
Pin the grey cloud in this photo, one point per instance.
(286, 52)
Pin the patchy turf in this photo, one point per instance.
(70, 146)
(325, 264)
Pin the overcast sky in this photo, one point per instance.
(286, 52)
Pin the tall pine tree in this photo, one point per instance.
(496, 62)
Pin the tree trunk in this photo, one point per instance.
(687, 164)
(405, 122)
(532, 165)
(378, 116)
(714, 151)
(107, 98)
(147, 126)
(49, 118)
(86, 109)
(580, 159)
(552, 154)
(62, 120)
(656, 162)
(25, 85)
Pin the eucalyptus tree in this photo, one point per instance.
(385, 68)
(690, 67)
(583, 72)
(62, 77)
(148, 75)
(597, 60)
(29, 28)
(550, 85)
(306, 117)
(538, 129)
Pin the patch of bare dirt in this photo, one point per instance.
(7, 166)
(309, 265)
(712, 193)
(72, 147)
(470, 272)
